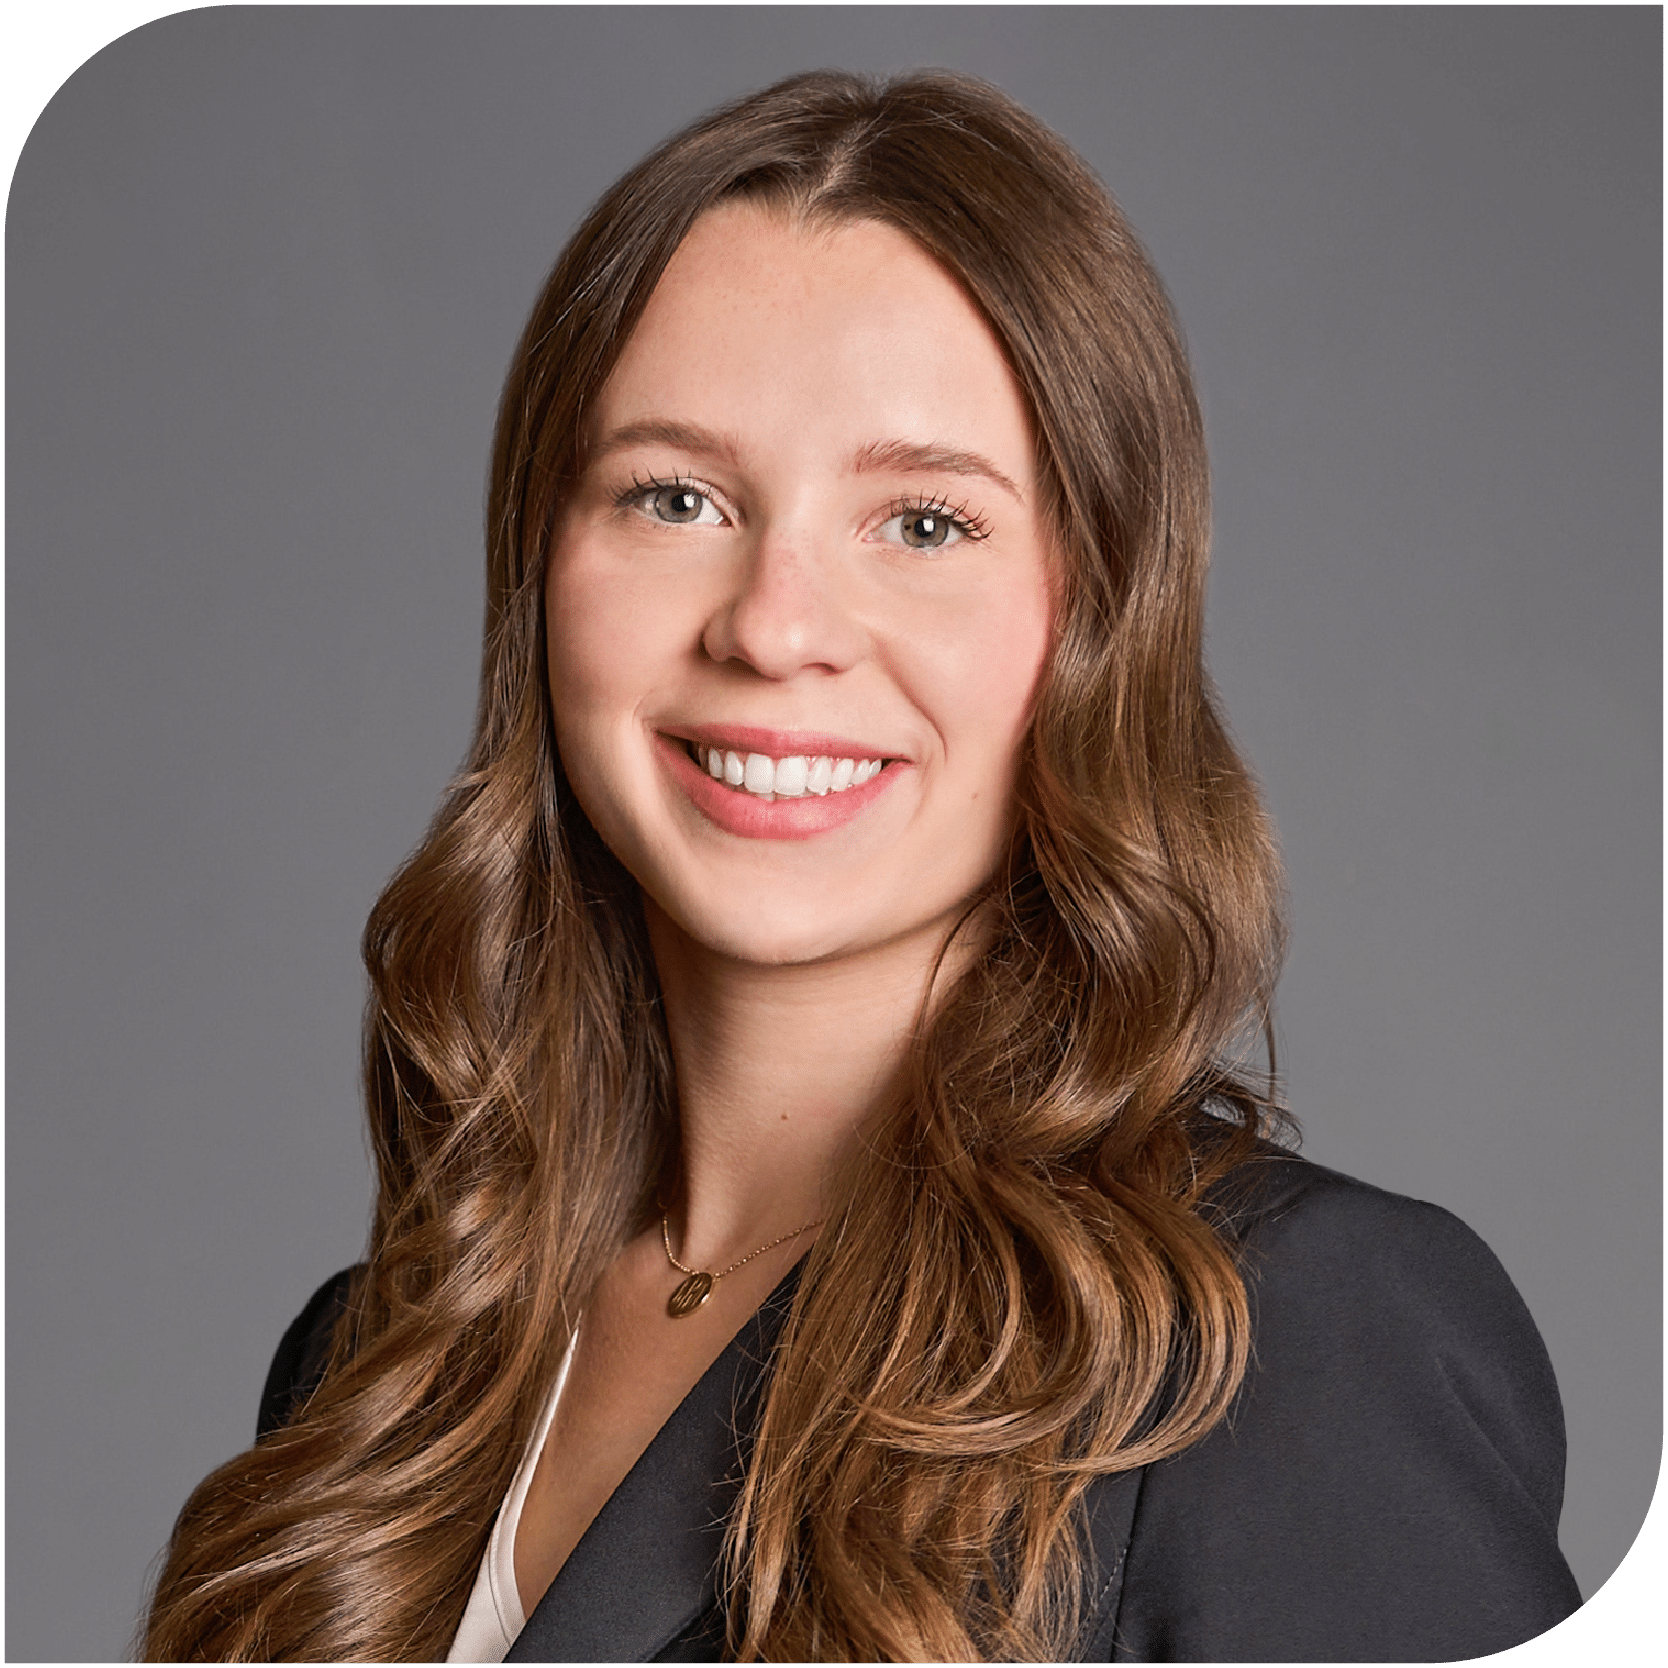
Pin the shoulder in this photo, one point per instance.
(1310, 1235)
(298, 1362)
(1388, 1482)
(1351, 1279)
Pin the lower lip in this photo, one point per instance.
(738, 812)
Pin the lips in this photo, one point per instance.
(763, 784)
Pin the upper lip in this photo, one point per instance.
(777, 744)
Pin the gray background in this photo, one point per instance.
(266, 270)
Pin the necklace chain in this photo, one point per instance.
(718, 1274)
(696, 1287)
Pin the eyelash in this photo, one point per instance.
(971, 525)
(967, 521)
(641, 488)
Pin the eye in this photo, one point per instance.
(677, 503)
(929, 526)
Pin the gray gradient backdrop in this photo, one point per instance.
(266, 269)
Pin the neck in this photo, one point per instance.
(778, 1070)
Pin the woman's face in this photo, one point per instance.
(799, 603)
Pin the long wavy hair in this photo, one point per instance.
(1026, 1287)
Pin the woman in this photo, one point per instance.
(823, 1211)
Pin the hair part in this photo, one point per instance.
(1054, 1301)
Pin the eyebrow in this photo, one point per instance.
(666, 431)
(878, 457)
(907, 457)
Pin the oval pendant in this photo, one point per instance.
(689, 1296)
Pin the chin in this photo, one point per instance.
(808, 929)
(788, 939)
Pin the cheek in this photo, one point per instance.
(595, 688)
(981, 677)
(580, 670)
(1012, 668)
(597, 678)
(600, 630)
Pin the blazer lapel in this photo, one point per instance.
(1108, 1524)
(645, 1572)
(647, 1566)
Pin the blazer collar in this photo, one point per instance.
(647, 1567)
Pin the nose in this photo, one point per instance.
(790, 610)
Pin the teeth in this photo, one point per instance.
(790, 778)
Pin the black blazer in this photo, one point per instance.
(1386, 1487)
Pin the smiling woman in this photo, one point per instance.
(801, 606)
(820, 1175)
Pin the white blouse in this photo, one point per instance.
(493, 1616)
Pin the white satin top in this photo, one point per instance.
(494, 1616)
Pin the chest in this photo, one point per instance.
(634, 1364)
(640, 1580)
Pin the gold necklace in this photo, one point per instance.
(696, 1288)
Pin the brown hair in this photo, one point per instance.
(1054, 1301)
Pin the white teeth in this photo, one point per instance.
(789, 778)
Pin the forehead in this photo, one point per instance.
(767, 326)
